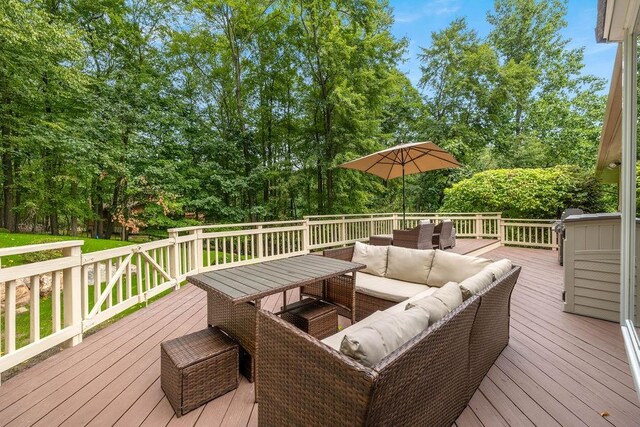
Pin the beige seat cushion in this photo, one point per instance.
(500, 268)
(476, 283)
(370, 344)
(385, 288)
(410, 265)
(450, 267)
(374, 257)
(334, 340)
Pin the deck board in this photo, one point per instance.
(559, 368)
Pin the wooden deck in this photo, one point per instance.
(559, 369)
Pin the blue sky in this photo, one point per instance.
(416, 19)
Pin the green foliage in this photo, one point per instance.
(138, 114)
(527, 193)
(517, 98)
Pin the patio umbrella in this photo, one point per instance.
(404, 159)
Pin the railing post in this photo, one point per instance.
(343, 229)
(500, 227)
(72, 294)
(194, 250)
(1, 299)
(261, 241)
(305, 236)
(394, 225)
(554, 239)
(478, 231)
(198, 250)
(174, 259)
(371, 226)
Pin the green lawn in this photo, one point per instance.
(20, 239)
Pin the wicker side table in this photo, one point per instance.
(197, 368)
(317, 318)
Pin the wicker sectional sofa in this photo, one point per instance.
(427, 381)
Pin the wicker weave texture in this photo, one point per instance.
(302, 382)
(345, 254)
(490, 334)
(197, 368)
(419, 237)
(317, 318)
(425, 381)
(443, 235)
(381, 240)
(339, 290)
(367, 305)
(239, 321)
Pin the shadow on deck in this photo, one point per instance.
(559, 368)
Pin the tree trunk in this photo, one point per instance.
(73, 223)
(53, 221)
(7, 190)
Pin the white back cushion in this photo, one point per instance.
(409, 265)
(451, 267)
(500, 268)
(436, 308)
(372, 343)
(335, 340)
(476, 283)
(450, 294)
(441, 303)
(374, 257)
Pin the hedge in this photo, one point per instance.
(527, 193)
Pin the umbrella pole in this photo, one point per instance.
(404, 207)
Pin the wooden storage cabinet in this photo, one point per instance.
(592, 265)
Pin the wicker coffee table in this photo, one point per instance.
(317, 318)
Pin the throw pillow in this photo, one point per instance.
(500, 268)
(374, 257)
(371, 344)
(450, 295)
(433, 306)
(476, 283)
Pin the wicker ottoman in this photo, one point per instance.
(197, 368)
(317, 318)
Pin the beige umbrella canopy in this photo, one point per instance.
(404, 159)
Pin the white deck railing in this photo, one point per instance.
(87, 289)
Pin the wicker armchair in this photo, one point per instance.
(419, 237)
(443, 235)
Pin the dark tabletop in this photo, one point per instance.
(250, 282)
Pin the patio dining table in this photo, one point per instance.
(234, 294)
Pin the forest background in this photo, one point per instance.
(148, 114)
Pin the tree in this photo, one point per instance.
(548, 108)
(40, 88)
